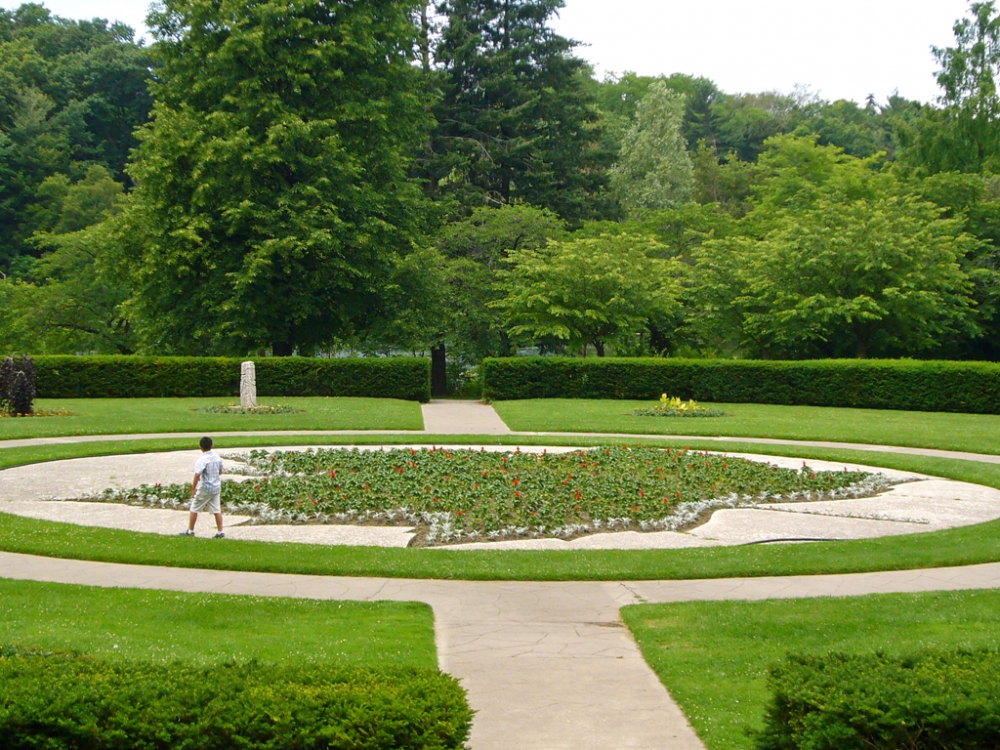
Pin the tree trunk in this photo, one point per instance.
(599, 346)
(439, 371)
(282, 349)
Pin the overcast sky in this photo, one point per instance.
(841, 50)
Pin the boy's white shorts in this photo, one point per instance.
(209, 502)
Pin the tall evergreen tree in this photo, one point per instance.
(514, 110)
(655, 170)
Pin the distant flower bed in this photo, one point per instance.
(39, 413)
(674, 407)
(261, 409)
(464, 495)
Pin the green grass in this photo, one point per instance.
(104, 416)
(208, 628)
(977, 433)
(962, 546)
(714, 656)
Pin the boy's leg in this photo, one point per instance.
(218, 520)
(192, 519)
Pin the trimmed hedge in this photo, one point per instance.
(932, 701)
(69, 702)
(407, 378)
(912, 385)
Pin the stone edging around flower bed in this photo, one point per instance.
(927, 504)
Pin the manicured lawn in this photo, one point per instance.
(113, 416)
(206, 628)
(714, 656)
(963, 546)
(978, 433)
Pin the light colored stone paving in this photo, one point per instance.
(915, 506)
(462, 418)
(547, 666)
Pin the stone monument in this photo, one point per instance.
(248, 386)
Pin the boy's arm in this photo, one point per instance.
(194, 484)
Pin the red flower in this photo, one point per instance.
(642, 493)
(635, 508)
(459, 512)
(367, 486)
(333, 475)
(516, 483)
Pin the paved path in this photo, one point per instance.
(462, 418)
(546, 665)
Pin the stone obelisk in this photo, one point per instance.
(248, 386)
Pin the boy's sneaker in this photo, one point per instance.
(186, 533)
(220, 535)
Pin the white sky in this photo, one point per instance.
(840, 50)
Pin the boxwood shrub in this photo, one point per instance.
(63, 702)
(930, 701)
(406, 378)
(971, 387)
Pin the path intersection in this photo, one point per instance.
(546, 665)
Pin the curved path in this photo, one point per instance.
(546, 665)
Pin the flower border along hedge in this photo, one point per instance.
(65, 702)
(930, 701)
(914, 385)
(407, 378)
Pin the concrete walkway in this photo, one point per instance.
(546, 665)
(462, 418)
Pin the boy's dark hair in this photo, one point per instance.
(206, 443)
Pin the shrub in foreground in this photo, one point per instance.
(66, 702)
(970, 387)
(407, 378)
(931, 701)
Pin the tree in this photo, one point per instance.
(655, 171)
(71, 298)
(588, 291)
(844, 276)
(71, 95)
(273, 193)
(515, 122)
(963, 134)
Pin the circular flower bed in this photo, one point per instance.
(464, 495)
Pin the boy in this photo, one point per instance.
(206, 489)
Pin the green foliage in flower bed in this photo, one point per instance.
(674, 407)
(259, 409)
(65, 701)
(929, 701)
(407, 378)
(970, 387)
(465, 495)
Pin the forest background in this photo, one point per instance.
(305, 177)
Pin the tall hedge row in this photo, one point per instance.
(971, 387)
(932, 701)
(406, 378)
(67, 703)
